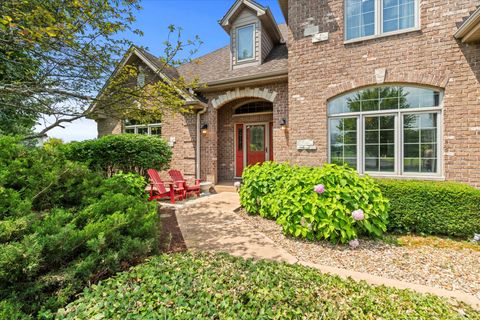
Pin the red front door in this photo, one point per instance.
(256, 144)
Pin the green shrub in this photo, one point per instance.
(207, 286)
(40, 178)
(63, 226)
(261, 181)
(431, 207)
(285, 193)
(125, 152)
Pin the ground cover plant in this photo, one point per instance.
(432, 207)
(207, 286)
(332, 202)
(63, 226)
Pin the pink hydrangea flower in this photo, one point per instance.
(320, 188)
(358, 215)
(354, 243)
(302, 222)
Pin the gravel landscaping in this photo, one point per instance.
(449, 269)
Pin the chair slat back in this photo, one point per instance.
(156, 180)
(176, 175)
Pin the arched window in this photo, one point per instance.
(254, 107)
(387, 130)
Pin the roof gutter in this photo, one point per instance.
(468, 26)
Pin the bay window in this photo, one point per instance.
(387, 130)
(368, 18)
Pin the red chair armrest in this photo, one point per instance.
(197, 181)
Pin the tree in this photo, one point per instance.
(56, 56)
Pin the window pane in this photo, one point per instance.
(412, 97)
(380, 144)
(384, 98)
(142, 130)
(398, 15)
(343, 141)
(245, 43)
(420, 143)
(257, 138)
(360, 18)
(156, 131)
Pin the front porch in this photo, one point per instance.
(245, 137)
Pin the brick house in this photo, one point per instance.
(390, 87)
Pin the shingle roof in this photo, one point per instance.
(166, 69)
(215, 66)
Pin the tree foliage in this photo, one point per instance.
(57, 55)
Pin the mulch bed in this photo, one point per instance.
(171, 238)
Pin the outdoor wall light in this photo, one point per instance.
(205, 129)
(283, 124)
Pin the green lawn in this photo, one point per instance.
(195, 286)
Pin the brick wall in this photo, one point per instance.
(217, 146)
(431, 56)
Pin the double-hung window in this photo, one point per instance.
(387, 130)
(369, 18)
(245, 43)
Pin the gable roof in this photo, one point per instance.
(469, 31)
(164, 71)
(214, 67)
(263, 13)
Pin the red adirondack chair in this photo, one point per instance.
(180, 181)
(158, 190)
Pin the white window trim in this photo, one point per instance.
(379, 23)
(143, 126)
(399, 147)
(254, 25)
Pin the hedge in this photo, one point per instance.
(208, 286)
(432, 207)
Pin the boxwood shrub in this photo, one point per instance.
(206, 286)
(286, 193)
(432, 207)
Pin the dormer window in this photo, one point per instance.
(245, 43)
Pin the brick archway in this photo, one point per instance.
(230, 96)
(432, 79)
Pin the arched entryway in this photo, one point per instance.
(245, 136)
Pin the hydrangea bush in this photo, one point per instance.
(332, 202)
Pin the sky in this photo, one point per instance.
(195, 17)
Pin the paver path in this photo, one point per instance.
(211, 224)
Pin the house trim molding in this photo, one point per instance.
(432, 79)
(229, 96)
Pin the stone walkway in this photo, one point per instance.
(211, 224)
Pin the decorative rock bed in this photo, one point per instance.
(436, 267)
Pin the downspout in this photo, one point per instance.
(199, 145)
